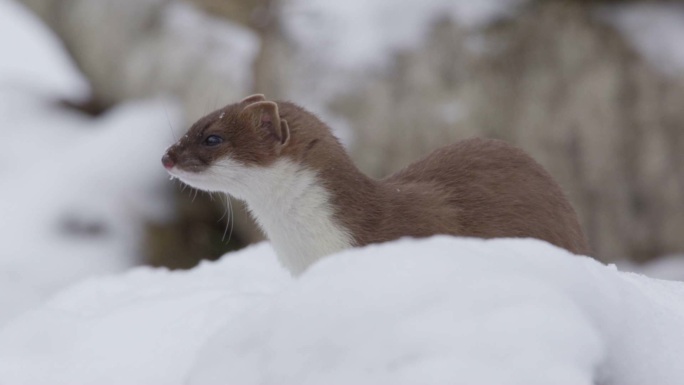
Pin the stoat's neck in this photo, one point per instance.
(295, 208)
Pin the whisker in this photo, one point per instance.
(173, 133)
(232, 218)
(225, 214)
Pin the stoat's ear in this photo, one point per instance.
(285, 130)
(253, 99)
(265, 117)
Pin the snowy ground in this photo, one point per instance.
(441, 310)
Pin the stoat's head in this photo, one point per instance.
(221, 148)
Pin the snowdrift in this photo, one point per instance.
(413, 311)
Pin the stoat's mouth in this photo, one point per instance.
(190, 168)
(210, 179)
(193, 179)
(226, 176)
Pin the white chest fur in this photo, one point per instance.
(288, 202)
(295, 212)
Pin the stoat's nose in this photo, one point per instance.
(168, 161)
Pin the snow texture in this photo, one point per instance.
(436, 310)
(143, 327)
(33, 57)
(655, 30)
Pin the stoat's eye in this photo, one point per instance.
(212, 140)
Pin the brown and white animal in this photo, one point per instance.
(311, 200)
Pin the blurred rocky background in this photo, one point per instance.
(594, 90)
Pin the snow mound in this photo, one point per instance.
(411, 312)
(436, 310)
(33, 57)
(142, 327)
(78, 192)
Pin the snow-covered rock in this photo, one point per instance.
(412, 311)
(33, 57)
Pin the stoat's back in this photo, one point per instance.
(498, 191)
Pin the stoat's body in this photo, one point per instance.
(310, 199)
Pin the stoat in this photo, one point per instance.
(311, 200)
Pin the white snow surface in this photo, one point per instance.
(33, 57)
(438, 310)
(655, 30)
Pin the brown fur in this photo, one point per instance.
(236, 125)
(478, 187)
